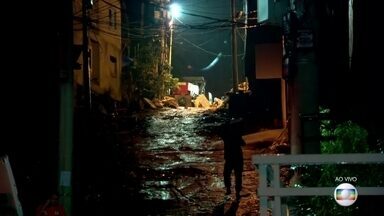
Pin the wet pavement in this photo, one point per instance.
(169, 163)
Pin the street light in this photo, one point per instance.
(175, 11)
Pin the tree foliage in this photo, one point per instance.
(150, 74)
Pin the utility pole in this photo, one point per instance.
(234, 48)
(170, 43)
(86, 79)
(66, 106)
(290, 44)
(303, 89)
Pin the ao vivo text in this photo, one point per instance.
(345, 179)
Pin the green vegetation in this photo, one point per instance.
(151, 76)
(346, 137)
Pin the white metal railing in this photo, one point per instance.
(269, 176)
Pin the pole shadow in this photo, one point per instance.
(219, 210)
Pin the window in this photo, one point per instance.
(113, 67)
(112, 15)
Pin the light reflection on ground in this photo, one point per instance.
(181, 164)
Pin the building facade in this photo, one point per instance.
(103, 23)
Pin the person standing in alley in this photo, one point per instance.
(231, 134)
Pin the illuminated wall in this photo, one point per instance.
(104, 33)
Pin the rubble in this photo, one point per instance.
(202, 101)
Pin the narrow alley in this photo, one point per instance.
(171, 163)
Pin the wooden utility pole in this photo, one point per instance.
(86, 79)
(170, 44)
(234, 48)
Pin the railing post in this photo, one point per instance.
(276, 184)
(263, 184)
(276, 210)
(276, 175)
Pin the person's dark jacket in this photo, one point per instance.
(233, 141)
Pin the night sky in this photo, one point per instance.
(201, 34)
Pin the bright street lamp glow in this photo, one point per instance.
(175, 10)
